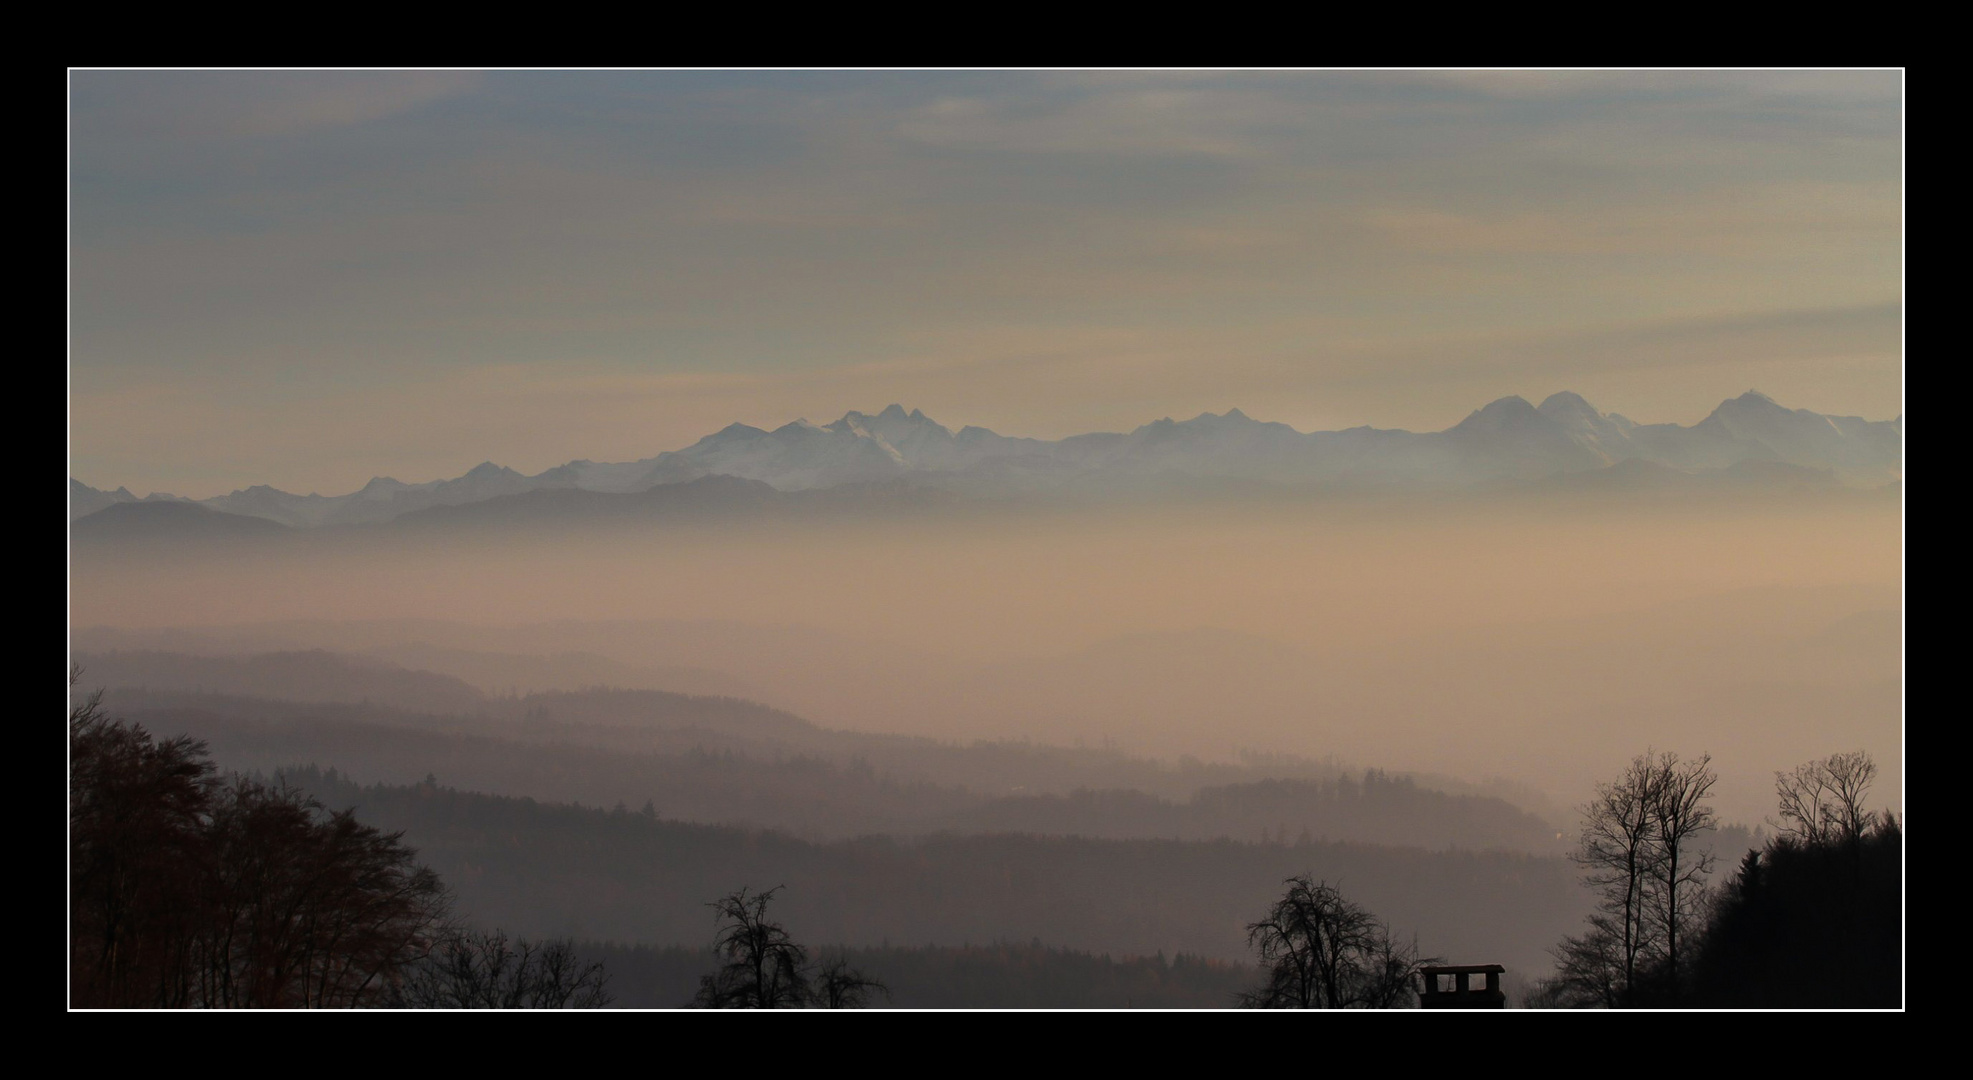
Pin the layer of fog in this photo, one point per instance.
(1542, 641)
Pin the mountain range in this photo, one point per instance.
(896, 453)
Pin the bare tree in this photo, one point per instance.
(187, 891)
(137, 859)
(487, 970)
(1679, 814)
(764, 969)
(1616, 852)
(1323, 952)
(1821, 802)
(307, 908)
(1589, 970)
(840, 986)
(1640, 852)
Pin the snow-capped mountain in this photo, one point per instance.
(1506, 440)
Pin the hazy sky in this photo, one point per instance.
(308, 279)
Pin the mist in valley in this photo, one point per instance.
(1533, 639)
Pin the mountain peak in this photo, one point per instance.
(1565, 403)
(890, 413)
(1748, 405)
(1209, 419)
(1506, 437)
(1512, 411)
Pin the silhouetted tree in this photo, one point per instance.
(1816, 919)
(765, 968)
(1323, 952)
(1679, 814)
(486, 970)
(309, 909)
(139, 860)
(186, 891)
(1821, 802)
(1638, 853)
(1589, 970)
(1616, 853)
(839, 986)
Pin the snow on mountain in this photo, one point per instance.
(1608, 436)
(1508, 440)
(1801, 437)
(1510, 437)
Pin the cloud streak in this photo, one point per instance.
(372, 258)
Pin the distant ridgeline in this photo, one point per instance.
(632, 876)
(725, 760)
(900, 459)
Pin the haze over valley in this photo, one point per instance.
(1172, 600)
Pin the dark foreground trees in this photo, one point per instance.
(1641, 853)
(1821, 802)
(1816, 918)
(766, 969)
(187, 891)
(475, 969)
(1321, 951)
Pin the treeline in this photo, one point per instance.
(1372, 807)
(186, 890)
(700, 775)
(273, 685)
(1809, 926)
(627, 874)
(641, 721)
(1000, 975)
(1816, 918)
(314, 676)
(1813, 919)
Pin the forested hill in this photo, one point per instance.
(903, 787)
(1000, 975)
(624, 875)
(1371, 808)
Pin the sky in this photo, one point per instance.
(307, 279)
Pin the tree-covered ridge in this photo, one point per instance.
(634, 875)
(1813, 919)
(992, 975)
(897, 787)
(186, 889)
(189, 889)
(1816, 918)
